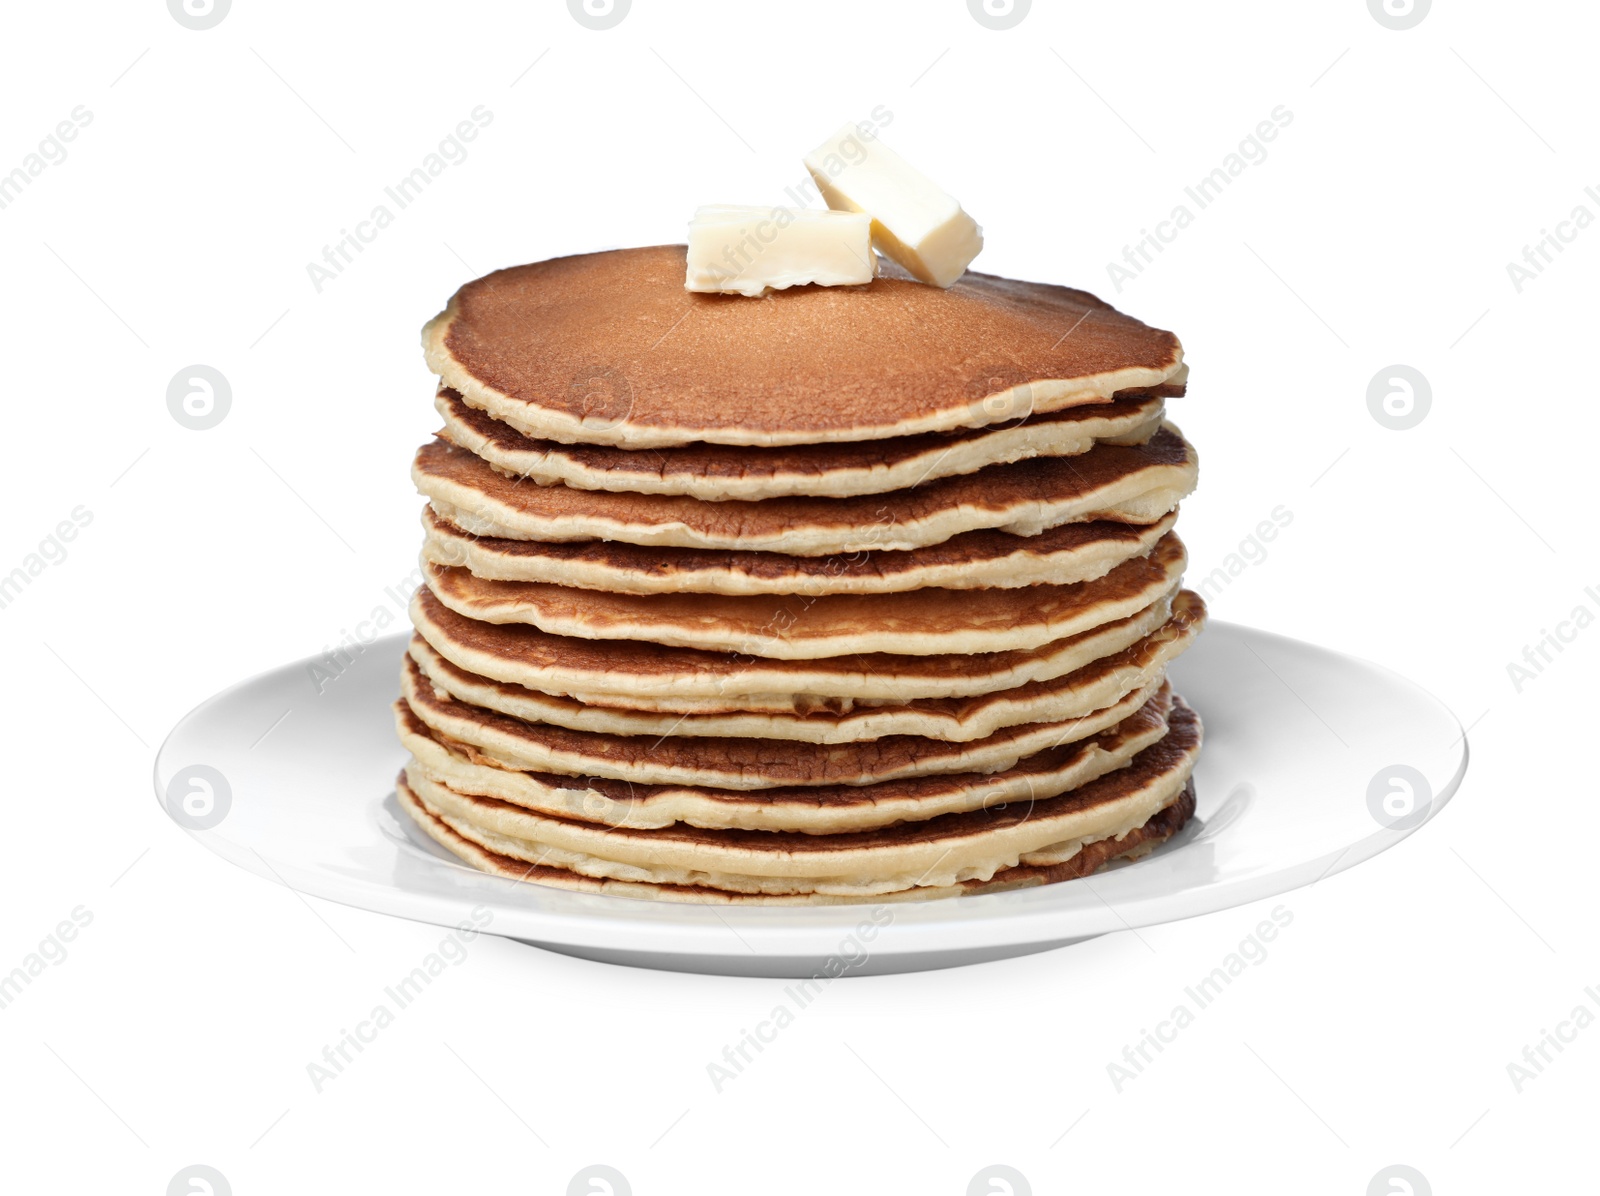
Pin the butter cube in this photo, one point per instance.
(914, 223)
(745, 250)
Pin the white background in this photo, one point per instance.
(178, 230)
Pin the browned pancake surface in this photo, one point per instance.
(607, 666)
(908, 791)
(1143, 656)
(728, 763)
(919, 622)
(1093, 856)
(1159, 828)
(722, 462)
(798, 366)
(782, 573)
(1169, 753)
(997, 490)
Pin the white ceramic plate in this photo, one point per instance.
(1313, 762)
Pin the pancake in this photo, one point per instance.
(815, 810)
(939, 852)
(920, 623)
(726, 763)
(716, 472)
(841, 594)
(1136, 661)
(1060, 555)
(608, 348)
(642, 676)
(1094, 856)
(1125, 483)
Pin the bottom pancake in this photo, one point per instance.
(1094, 856)
(942, 856)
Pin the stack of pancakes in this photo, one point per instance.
(840, 594)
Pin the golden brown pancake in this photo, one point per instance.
(840, 594)
(818, 809)
(1061, 555)
(717, 472)
(936, 853)
(1094, 856)
(920, 623)
(738, 763)
(608, 348)
(1126, 483)
(636, 675)
(1132, 661)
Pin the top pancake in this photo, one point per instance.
(608, 348)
